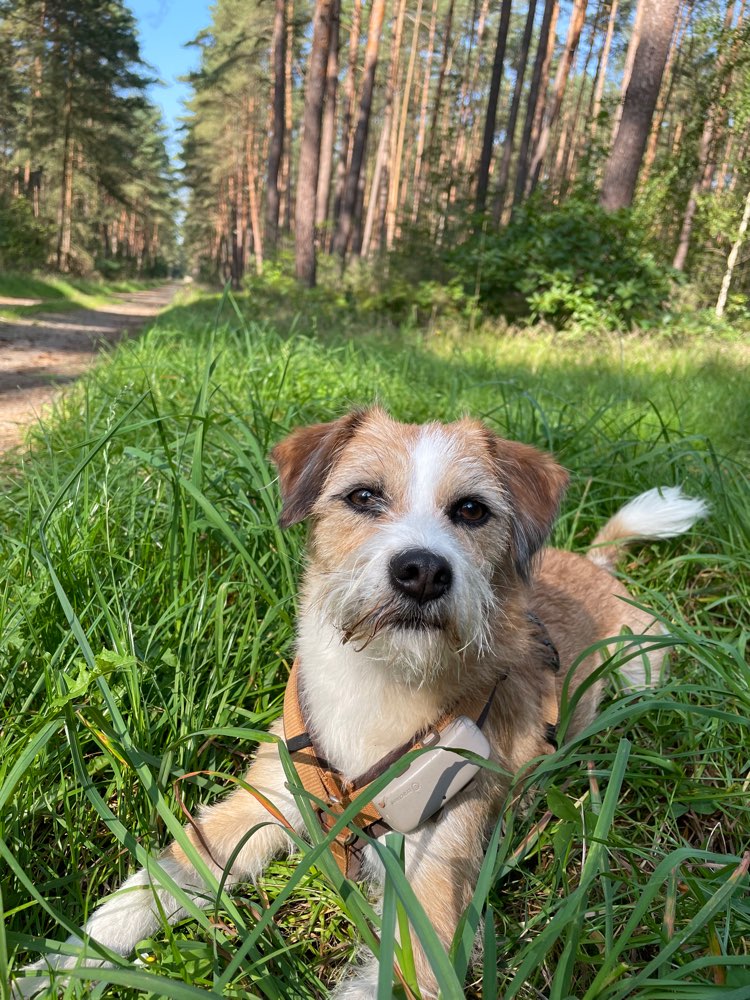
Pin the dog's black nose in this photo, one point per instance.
(421, 574)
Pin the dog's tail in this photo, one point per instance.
(659, 513)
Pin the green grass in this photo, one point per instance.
(146, 622)
(58, 293)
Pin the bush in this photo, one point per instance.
(25, 242)
(571, 265)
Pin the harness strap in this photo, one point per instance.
(324, 782)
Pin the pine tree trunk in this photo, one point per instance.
(699, 183)
(309, 155)
(445, 61)
(732, 259)
(488, 139)
(285, 209)
(329, 120)
(575, 27)
(276, 143)
(531, 107)
(621, 173)
(635, 40)
(349, 200)
(515, 105)
(665, 93)
(64, 235)
(423, 108)
(350, 98)
(395, 177)
(601, 73)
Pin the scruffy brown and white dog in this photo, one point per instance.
(423, 596)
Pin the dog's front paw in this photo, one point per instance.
(50, 968)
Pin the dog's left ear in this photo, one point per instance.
(305, 458)
(536, 484)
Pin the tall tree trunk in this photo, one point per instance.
(423, 108)
(698, 186)
(670, 72)
(252, 174)
(286, 158)
(601, 73)
(64, 234)
(536, 78)
(276, 143)
(329, 120)
(309, 155)
(395, 178)
(349, 198)
(575, 27)
(350, 103)
(621, 173)
(515, 105)
(445, 61)
(732, 259)
(627, 73)
(488, 139)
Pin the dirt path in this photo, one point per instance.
(41, 354)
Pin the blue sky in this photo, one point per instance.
(164, 27)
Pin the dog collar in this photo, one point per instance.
(327, 784)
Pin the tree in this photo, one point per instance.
(276, 144)
(490, 122)
(621, 173)
(309, 156)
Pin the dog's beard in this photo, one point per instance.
(419, 642)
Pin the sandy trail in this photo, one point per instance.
(41, 354)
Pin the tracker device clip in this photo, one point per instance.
(434, 778)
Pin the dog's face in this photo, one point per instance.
(418, 531)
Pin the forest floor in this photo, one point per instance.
(42, 353)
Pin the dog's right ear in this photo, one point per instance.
(305, 458)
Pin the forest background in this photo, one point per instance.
(531, 211)
(583, 163)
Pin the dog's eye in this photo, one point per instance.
(470, 512)
(365, 500)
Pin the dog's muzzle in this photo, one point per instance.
(420, 575)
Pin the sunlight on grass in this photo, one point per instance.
(146, 636)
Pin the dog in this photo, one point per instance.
(429, 604)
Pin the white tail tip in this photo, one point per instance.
(662, 512)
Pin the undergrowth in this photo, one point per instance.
(146, 623)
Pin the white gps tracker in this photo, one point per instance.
(433, 778)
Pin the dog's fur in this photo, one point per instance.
(378, 664)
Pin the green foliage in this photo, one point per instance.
(25, 242)
(571, 265)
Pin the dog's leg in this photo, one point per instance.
(134, 912)
(442, 862)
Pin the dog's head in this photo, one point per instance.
(418, 531)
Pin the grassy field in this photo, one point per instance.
(57, 293)
(146, 623)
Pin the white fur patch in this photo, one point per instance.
(662, 512)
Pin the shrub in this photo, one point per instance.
(571, 265)
(25, 241)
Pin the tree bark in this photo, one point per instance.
(490, 121)
(329, 120)
(276, 144)
(349, 198)
(670, 71)
(424, 104)
(575, 26)
(621, 174)
(395, 178)
(601, 73)
(309, 155)
(536, 78)
(350, 96)
(732, 260)
(515, 105)
(635, 39)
